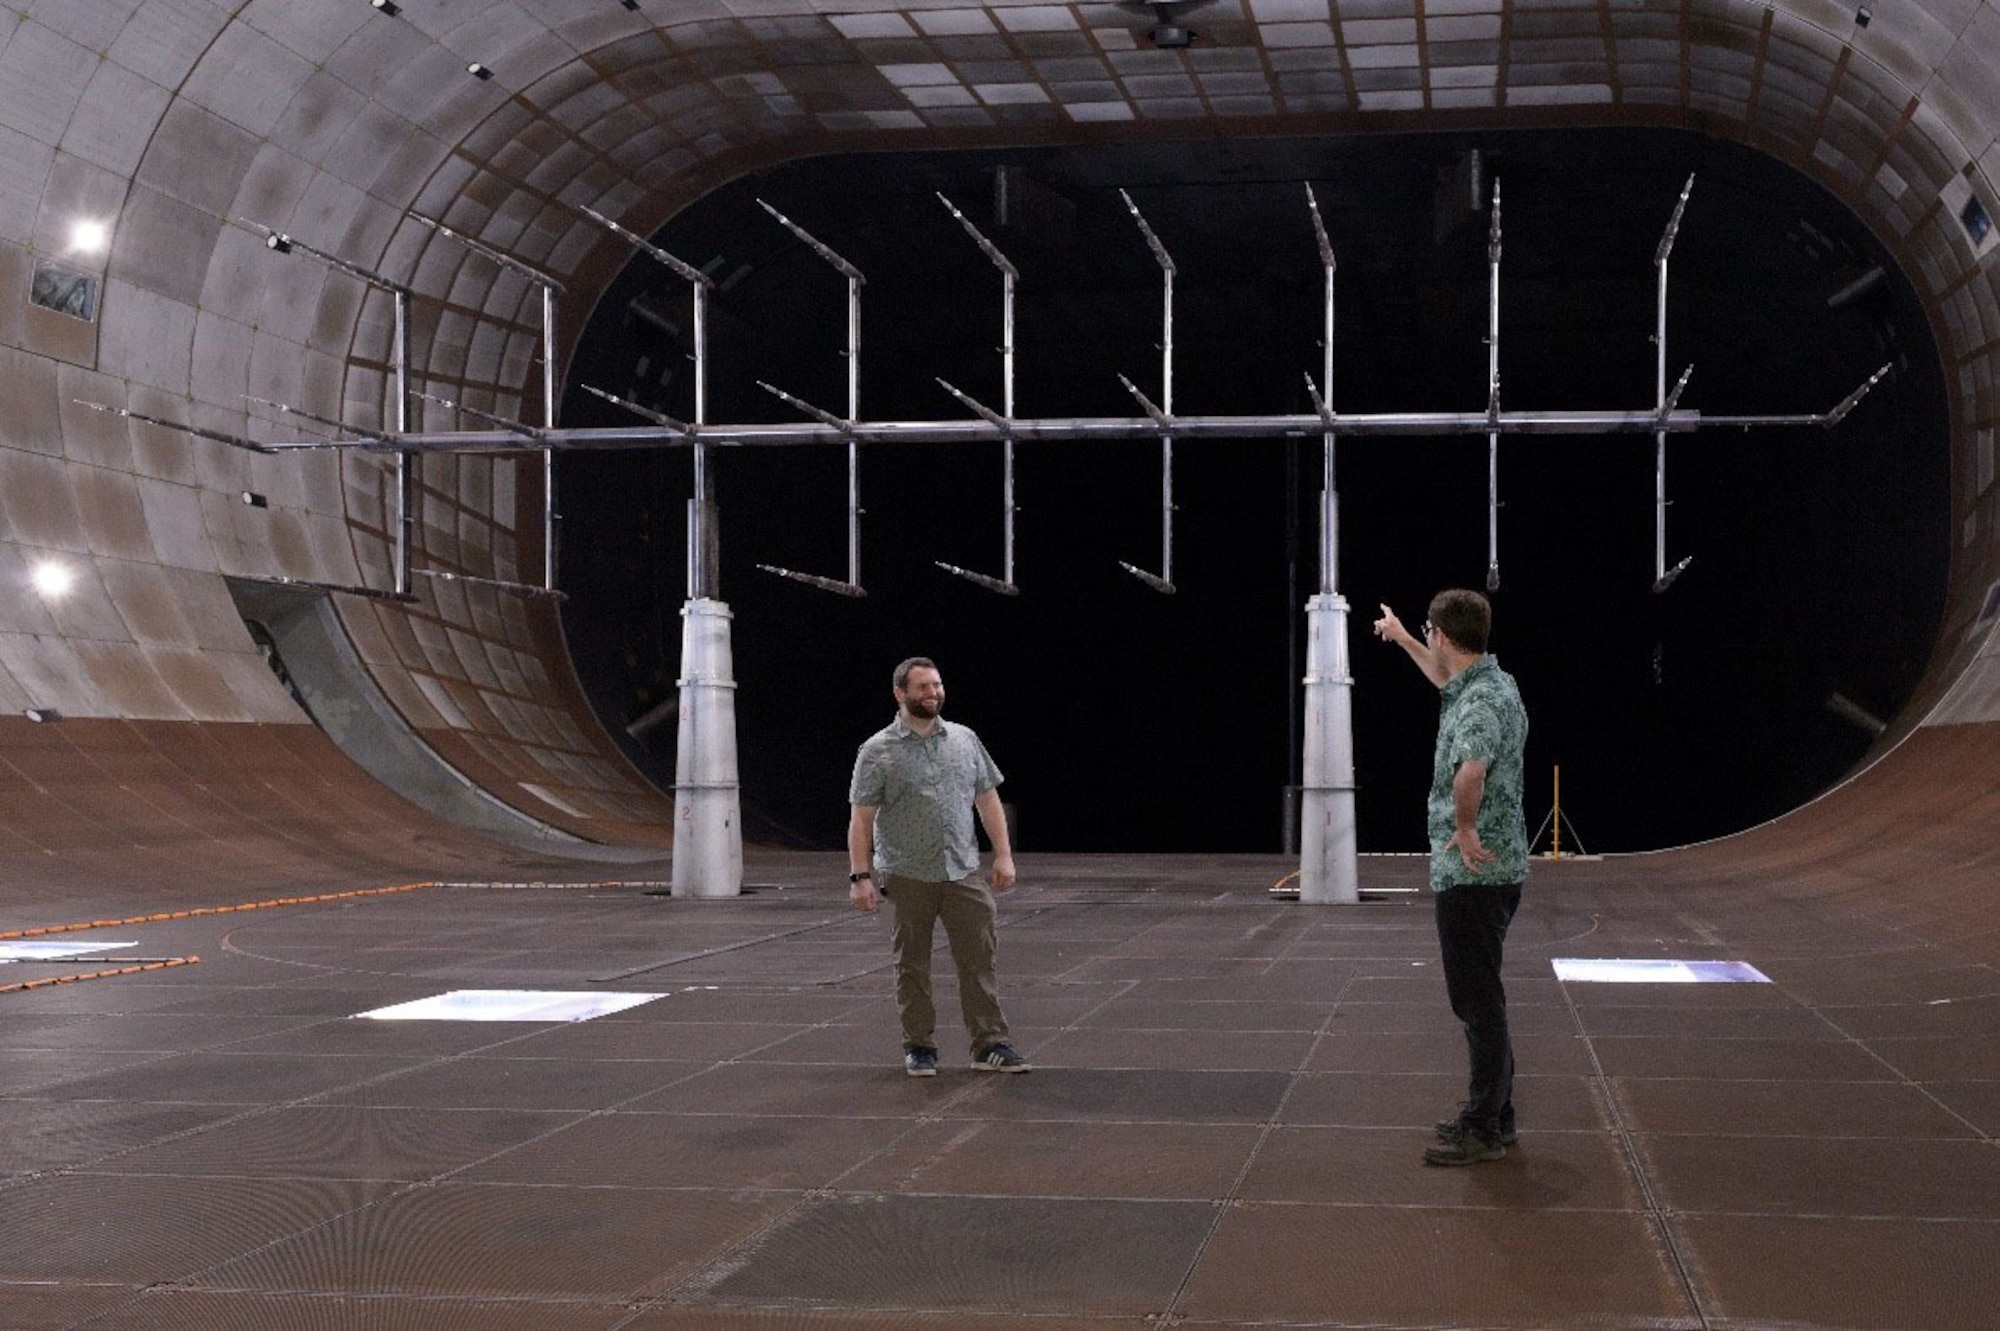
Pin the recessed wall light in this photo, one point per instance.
(89, 236)
(52, 578)
(1974, 219)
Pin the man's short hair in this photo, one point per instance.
(901, 678)
(1464, 616)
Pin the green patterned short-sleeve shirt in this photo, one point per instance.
(923, 787)
(1481, 719)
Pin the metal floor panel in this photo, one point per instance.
(1031, 1254)
(490, 1242)
(342, 1142)
(1224, 1126)
(1440, 1267)
(202, 1310)
(1764, 1270)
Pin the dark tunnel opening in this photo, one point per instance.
(1127, 720)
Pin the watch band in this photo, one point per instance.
(857, 877)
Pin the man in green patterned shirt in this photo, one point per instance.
(1479, 853)
(917, 784)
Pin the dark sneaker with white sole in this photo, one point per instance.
(999, 1058)
(920, 1062)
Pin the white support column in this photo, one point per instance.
(1329, 871)
(708, 822)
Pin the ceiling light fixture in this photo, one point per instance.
(1169, 33)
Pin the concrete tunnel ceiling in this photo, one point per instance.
(180, 120)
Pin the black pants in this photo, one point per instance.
(1472, 924)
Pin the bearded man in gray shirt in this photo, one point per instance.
(917, 783)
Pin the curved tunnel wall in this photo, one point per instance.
(180, 120)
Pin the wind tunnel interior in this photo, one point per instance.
(200, 1127)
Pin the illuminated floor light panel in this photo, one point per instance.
(1596, 970)
(46, 951)
(510, 1005)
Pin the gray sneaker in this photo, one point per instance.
(1469, 1149)
(999, 1058)
(1449, 1130)
(920, 1062)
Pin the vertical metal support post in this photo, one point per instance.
(708, 823)
(549, 518)
(1329, 865)
(1663, 577)
(1007, 410)
(846, 424)
(549, 288)
(1493, 397)
(701, 578)
(1004, 418)
(1660, 435)
(853, 414)
(1167, 440)
(1328, 856)
(708, 832)
(406, 516)
(1163, 581)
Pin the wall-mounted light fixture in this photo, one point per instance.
(389, 7)
(88, 235)
(278, 244)
(255, 500)
(1862, 16)
(478, 70)
(52, 578)
(632, 5)
(42, 714)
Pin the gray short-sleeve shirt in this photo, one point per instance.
(923, 787)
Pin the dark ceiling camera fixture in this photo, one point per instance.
(1169, 33)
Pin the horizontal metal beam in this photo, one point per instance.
(1083, 429)
(527, 589)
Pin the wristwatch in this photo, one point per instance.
(857, 877)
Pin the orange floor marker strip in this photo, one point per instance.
(99, 975)
(199, 911)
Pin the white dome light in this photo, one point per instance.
(89, 237)
(52, 578)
